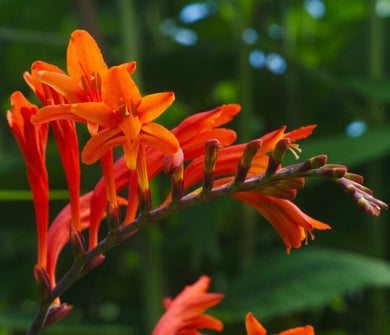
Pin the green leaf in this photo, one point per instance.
(342, 149)
(279, 284)
(374, 90)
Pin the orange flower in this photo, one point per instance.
(127, 118)
(64, 132)
(184, 313)
(110, 102)
(32, 140)
(254, 327)
(292, 225)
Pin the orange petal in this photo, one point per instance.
(200, 122)
(100, 143)
(194, 147)
(253, 327)
(131, 153)
(118, 88)
(131, 126)
(55, 112)
(142, 173)
(159, 138)
(307, 330)
(300, 133)
(203, 321)
(286, 218)
(270, 140)
(153, 105)
(129, 67)
(97, 112)
(62, 84)
(84, 57)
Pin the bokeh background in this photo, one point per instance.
(287, 62)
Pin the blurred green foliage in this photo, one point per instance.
(315, 61)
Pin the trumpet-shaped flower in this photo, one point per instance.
(254, 327)
(184, 314)
(32, 140)
(64, 132)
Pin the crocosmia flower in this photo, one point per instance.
(184, 314)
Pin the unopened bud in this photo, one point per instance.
(113, 217)
(246, 161)
(314, 163)
(277, 156)
(210, 158)
(42, 279)
(177, 183)
(78, 243)
(250, 152)
(145, 200)
(354, 177)
(174, 162)
(173, 167)
(56, 313)
(334, 172)
(210, 154)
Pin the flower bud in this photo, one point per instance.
(314, 163)
(246, 161)
(113, 217)
(173, 166)
(145, 200)
(210, 158)
(78, 243)
(43, 281)
(56, 313)
(277, 156)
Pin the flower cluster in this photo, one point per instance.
(109, 102)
